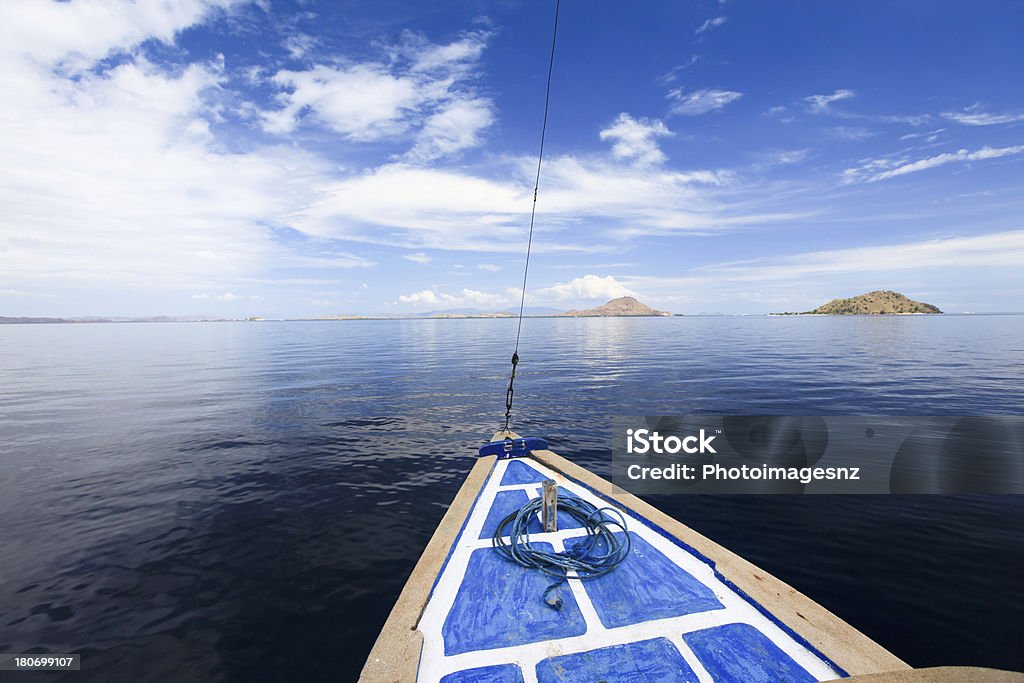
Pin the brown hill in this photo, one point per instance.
(623, 306)
(875, 303)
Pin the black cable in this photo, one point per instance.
(533, 215)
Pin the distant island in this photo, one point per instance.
(36, 320)
(624, 306)
(880, 302)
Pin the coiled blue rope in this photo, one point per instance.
(606, 545)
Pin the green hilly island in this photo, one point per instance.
(880, 302)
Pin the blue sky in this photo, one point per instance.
(232, 158)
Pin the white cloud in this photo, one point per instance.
(418, 258)
(672, 74)
(929, 136)
(587, 287)
(1002, 249)
(593, 266)
(427, 296)
(710, 24)
(113, 175)
(812, 277)
(422, 89)
(362, 102)
(76, 34)
(786, 157)
(488, 267)
(882, 169)
(423, 208)
(465, 297)
(700, 101)
(821, 104)
(455, 127)
(226, 297)
(635, 139)
(299, 45)
(852, 132)
(972, 117)
(458, 57)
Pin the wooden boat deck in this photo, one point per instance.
(680, 608)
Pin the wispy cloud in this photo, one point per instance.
(299, 45)
(700, 101)
(593, 266)
(992, 250)
(635, 139)
(456, 126)
(418, 258)
(710, 24)
(810, 278)
(462, 209)
(672, 74)
(852, 132)
(929, 136)
(821, 104)
(972, 116)
(882, 169)
(226, 297)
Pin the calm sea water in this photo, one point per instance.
(244, 501)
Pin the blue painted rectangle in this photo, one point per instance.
(741, 653)
(506, 502)
(502, 673)
(500, 604)
(518, 472)
(646, 586)
(647, 661)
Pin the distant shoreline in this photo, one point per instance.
(34, 320)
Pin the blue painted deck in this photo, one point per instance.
(663, 615)
(648, 660)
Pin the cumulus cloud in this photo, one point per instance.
(820, 104)
(635, 139)
(113, 173)
(710, 24)
(76, 34)
(427, 296)
(700, 101)
(465, 297)
(587, 287)
(422, 89)
(874, 170)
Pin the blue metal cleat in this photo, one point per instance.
(514, 448)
